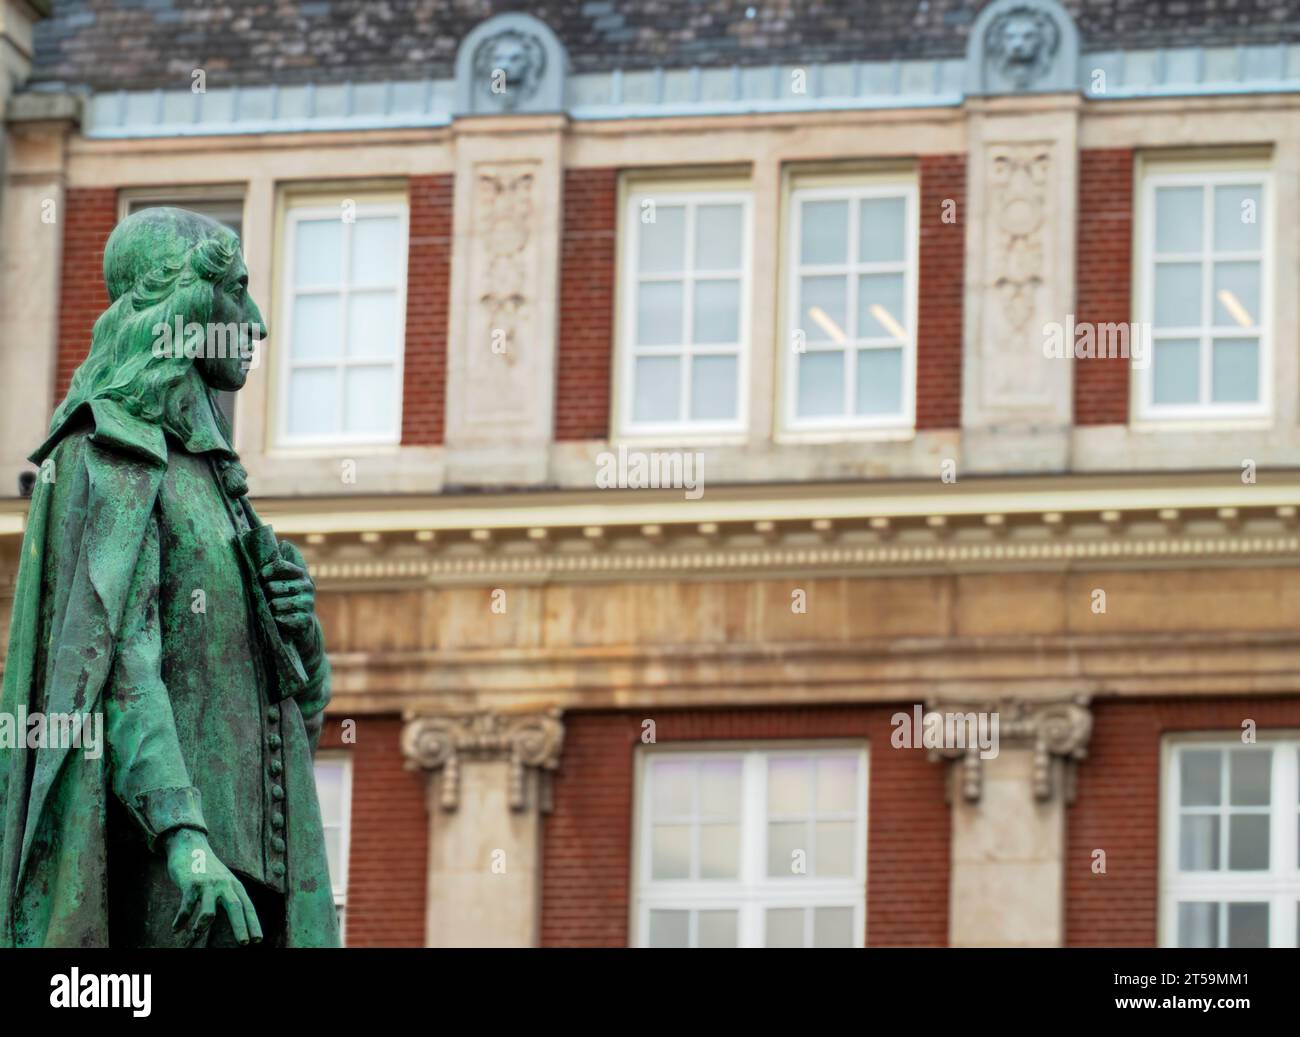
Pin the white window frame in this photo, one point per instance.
(627, 349)
(1279, 886)
(284, 334)
(1207, 177)
(339, 883)
(753, 892)
(852, 190)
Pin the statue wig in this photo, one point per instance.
(159, 264)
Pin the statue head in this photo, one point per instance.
(509, 66)
(1022, 42)
(170, 274)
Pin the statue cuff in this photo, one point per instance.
(161, 810)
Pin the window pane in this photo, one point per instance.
(1176, 377)
(713, 388)
(881, 229)
(719, 851)
(369, 400)
(821, 384)
(824, 232)
(670, 852)
(372, 324)
(659, 313)
(1199, 777)
(835, 848)
(789, 785)
(1198, 847)
(376, 250)
(717, 929)
(672, 788)
(662, 245)
(1198, 925)
(329, 792)
(823, 309)
(658, 389)
(1178, 295)
(837, 785)
(1247, 925)
(880, 381)
(334, 855)
(787, 848)
(313, 402)
(1250, 775)
(717, 237)
(880, 306)
(1236, 218)
(833, 927)
(1235, 370)
(670, 928)
(1236, 294)
(720, 788)
(1178, 219)
(784, 927)
(318, 252)
(1248, 842)
(717, 312)
(316, 323)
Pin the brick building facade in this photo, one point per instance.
(814, 266)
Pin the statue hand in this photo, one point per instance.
(206, 885)
(292, 594)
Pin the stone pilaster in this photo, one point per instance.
(488, 788)
(1008, 820)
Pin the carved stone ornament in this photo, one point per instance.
(512, 63)
(526, 740)
(1056, 730)
(1020, 46)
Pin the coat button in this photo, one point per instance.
(277, 844)
(277, 820)
(277, 792)
(272, 714)
(277, 869)
(273, 741)
(276, 766)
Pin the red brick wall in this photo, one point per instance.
(388, 862)
(89, 215)
(1118, 810)
(942, 263)
(586, 346)
(587, 842)
(1103, 278)
(428, 286)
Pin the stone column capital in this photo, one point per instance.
(1057, 730)
(522, 740)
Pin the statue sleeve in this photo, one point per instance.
(146, 766)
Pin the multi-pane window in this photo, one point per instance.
(334, 791)
(684, 312)
(851, 307)
(1231, 859)
(1205, 295)
(758, 848)
(340, 332)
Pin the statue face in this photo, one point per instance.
(1023, 40)
(231, 304)
(511, 57)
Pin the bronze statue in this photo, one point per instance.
(151, 599)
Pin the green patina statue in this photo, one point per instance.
(153, 606)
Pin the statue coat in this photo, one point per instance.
(105, 620)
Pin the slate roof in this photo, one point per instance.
(143, 44)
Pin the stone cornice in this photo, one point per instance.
(532, 740)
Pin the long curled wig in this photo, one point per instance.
(159, 264)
